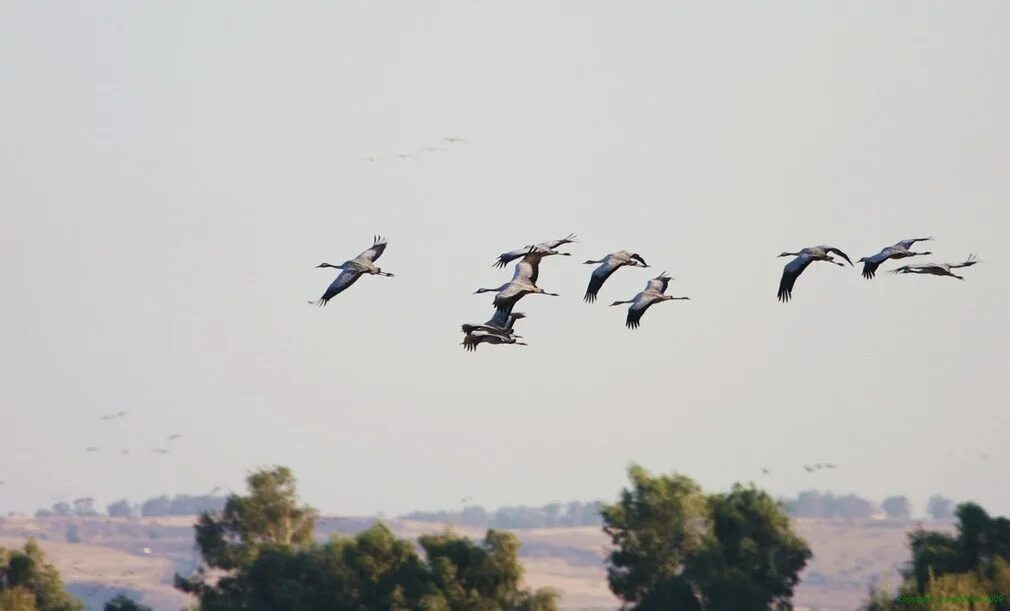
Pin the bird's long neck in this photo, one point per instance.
(341, 266)
(593, 262)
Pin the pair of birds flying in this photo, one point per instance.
(900, 250)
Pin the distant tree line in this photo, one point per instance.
(552, 515)
(815, 504)
(178, 505)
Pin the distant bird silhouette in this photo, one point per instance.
(765, 471)
(215, 490)
(541, 250)
(406, 156)
(161, 450)
(174, 437)
(829, 465)
(610, 264)
(124, 451)
(808, 468)
(91, 449)
(936, 269)
(898, 251)
(454, 140)
(354, 269)
(371, 159)
(794, 268)
(653, 293)
(432, 149)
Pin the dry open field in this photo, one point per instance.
(110, 558)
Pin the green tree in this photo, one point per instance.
(25, 574)
(974, 561)
(486, 576)
(751, 558)
(258, 555)
(658, 524)
(122, 602)
(678, 549)
(229, 540)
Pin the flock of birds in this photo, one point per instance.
(900, 250)
(414, 156)
(500, 329)
(118, 415)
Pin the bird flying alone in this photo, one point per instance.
(803, 258)
(608, 265)
(653, 293)
(898, 251)
(353, 269)
(936, 269)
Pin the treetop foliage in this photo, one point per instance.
(28, 582)
(258, 554)
(975, 561)
(676, 548)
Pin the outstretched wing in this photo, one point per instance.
(790, 273)
(832, 249)
(552, 244)
(471, 341)
(908, 269)
(871, 264)
(659, 283)
(373, 253)
(906, 244)
(339, 285)
(636, 311)
(600, 275)
(971, 260)
(507, 257)
(527, 269)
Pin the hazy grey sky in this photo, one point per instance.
(172, 173)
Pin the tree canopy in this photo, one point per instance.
(258, 554)
(974, 561)
(29, 583)
(676, 548)
(122, 602)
